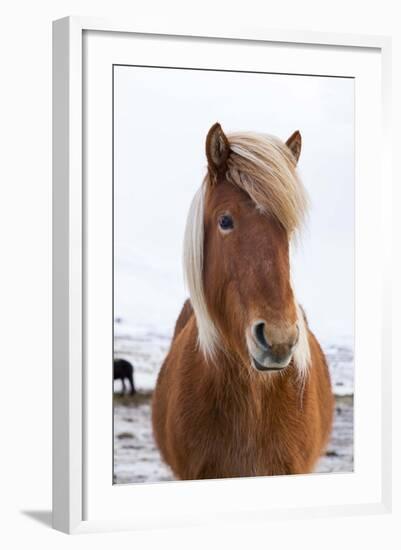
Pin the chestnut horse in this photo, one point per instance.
(245, 388)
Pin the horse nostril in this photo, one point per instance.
(260, 337)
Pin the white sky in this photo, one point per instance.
(161, 120)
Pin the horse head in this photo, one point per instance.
(237, 250)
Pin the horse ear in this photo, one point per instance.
(294, 144)
(217, 149)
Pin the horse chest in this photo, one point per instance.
(241, 437)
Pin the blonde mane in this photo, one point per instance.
(263, 167)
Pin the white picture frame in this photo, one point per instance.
(79, 482)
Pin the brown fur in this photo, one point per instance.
(223, 418)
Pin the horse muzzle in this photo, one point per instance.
(268, 354)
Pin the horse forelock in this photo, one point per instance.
(264, 168)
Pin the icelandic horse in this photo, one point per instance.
(245, 389)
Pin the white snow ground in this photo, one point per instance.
(136, 458)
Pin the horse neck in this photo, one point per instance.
(236, 381)
(227, 379)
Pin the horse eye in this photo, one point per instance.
(226, 222)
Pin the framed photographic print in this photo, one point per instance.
(219, 326)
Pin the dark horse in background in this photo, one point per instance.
(124, 370)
